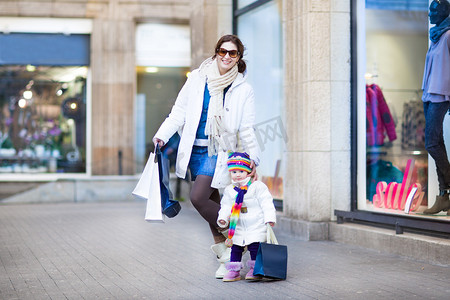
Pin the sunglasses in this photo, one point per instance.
(222, 52)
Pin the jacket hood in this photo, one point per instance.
(240, 79)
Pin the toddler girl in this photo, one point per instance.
(246, 207)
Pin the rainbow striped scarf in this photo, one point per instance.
(235, 211)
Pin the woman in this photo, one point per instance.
(214, 113)
(436, 99)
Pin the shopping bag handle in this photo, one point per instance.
(271, 238)
(156, 151)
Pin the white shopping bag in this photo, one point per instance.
(148, 188)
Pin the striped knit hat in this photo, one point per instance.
(239, 162)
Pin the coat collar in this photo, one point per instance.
(242, 182)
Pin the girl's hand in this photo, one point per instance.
(222, 222)
(271, 223)
(253, 172)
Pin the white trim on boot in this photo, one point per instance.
(223, 256)
(233, 271)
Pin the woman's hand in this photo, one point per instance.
(158, 141)
(253, 172)
(271, 223)
(222, 223)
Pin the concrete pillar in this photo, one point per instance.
(210, 19)
(113, 89)
(317, 74)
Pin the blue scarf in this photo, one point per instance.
(437, 31)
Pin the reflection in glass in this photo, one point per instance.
(260, 31)
(244, 3)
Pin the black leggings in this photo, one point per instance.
(206, 201)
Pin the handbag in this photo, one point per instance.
(148, 188)
(169, 207)
(271, 260)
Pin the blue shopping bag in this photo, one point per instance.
(169, 207)
(271, 260)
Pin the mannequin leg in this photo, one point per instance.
(434, 143)
(434, 140)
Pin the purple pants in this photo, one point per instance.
(236, 251)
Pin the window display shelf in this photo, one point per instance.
(395, 150)
(28, 164)
(25, 158)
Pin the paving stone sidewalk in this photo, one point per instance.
(107, 251)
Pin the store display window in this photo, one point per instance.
(394, 44)
(42, 119)
(44, 65)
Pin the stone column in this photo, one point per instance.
(113, 89)
(210, 19)
(316, 83)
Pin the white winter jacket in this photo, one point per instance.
(251, 226)
(239, 117)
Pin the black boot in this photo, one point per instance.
(442, 203)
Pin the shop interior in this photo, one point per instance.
(42, 119)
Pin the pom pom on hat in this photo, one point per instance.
(239, 162)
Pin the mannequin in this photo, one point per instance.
(436, 99)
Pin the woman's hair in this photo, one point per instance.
(240, 48)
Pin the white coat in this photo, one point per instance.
(239, 119)
(250, 226)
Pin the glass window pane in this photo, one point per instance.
(396, 46)
(420, 5)
(244, 3)
(261, 33)
(42, 119)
